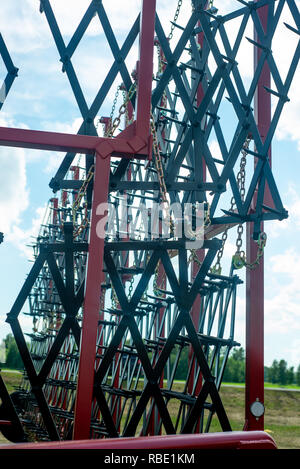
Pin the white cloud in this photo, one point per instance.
(14, 196)
(22, 28)
(292, 223)
(22, 238)
(284, 46)
(282, 303)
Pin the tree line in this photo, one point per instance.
(278, 373)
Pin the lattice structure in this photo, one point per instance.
(159, 303)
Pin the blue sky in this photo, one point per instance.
(41, 98)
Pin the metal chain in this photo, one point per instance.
(156, 287)
(217, 269)
(158, 162)
(125, 101)
(160, 171)
(175, 19)
(114, 298)
(241, 179)
(239, 259)
(207, 222)
(130, 287)
(76, 204)
(114, 123)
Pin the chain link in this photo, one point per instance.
(160, 172)
(239, 258)
(114, 298)
(114, 123)
(179, 4)
(76, 204)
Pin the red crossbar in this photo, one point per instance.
(226, 440)
(5, 422)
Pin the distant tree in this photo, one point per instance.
(266, 374)
(279, 373)
(183, 363)
(282, 372)
(273, 372)
(2, 352)
(235, 367)
(13, 358)
(290, 375)
(298, 376)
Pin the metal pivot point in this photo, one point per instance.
(257, 409)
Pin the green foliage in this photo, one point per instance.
(2, 352)
(279, 373)
(182, 362)
(298, 376)
(13, 358)
(235, 367)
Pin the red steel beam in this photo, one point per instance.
(254, 390)
(91, 308)
(145, 68)
(127, 142)
(226, 440)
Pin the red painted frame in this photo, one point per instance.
(226, 440)
(135, 141)
(254, 390)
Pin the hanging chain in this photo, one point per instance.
(241, 178)
(76, 204)
(158, 162)
(160, 173)
(206, 223)
(114, 123)
(217, 269)
(239, 258)
(175, 19)
(156, 287)
(114, 298)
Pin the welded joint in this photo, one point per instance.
(131, 147)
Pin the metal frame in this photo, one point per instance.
(117, 169)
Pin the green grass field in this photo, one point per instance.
(282, 417)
